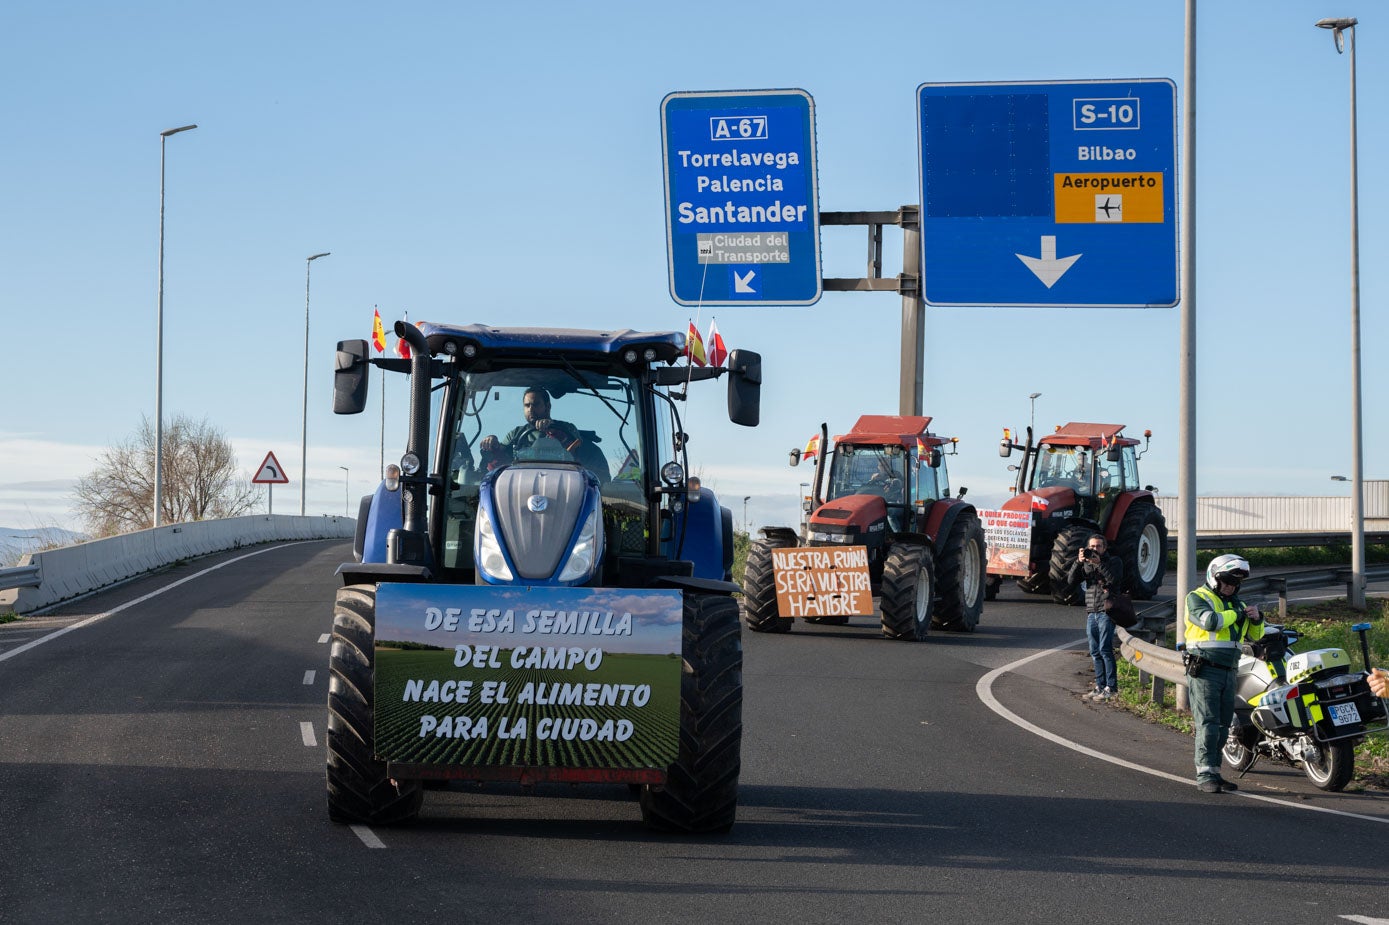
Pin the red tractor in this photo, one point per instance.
(885, 487)
(1078, 481)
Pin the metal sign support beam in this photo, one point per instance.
(911, 387)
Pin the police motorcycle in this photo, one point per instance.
(1307, 709)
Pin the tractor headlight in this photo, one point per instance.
(489, 549)
(584, 556)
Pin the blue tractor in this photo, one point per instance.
(541, 598)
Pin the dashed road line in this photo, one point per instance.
(368, 837)
(309, 676)
(306, 733)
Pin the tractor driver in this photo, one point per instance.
(535, 405)
(885, 482)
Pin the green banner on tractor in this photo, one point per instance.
(513, 676)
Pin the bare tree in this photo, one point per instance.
(200, 480)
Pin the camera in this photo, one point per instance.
(1091, 554)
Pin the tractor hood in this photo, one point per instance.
(851, 511)
(1042, 500)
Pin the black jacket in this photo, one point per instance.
(1109, 571)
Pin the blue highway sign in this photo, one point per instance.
(742, 202)
(1049, 194)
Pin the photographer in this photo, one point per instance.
(1098, 569)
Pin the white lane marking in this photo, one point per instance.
(308, 676)
(983, 689)
(368, 837)
(1363, 919)
(322, 639)
(306, 733)
(139, 600)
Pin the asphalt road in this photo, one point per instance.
(164, 763)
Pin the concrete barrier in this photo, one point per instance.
(71, 571)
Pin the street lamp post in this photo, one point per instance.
(1339, 27)
(1032, 422)
(346, 489)
(805, 488)
(159, 342)
(304, 421)
(746, 528)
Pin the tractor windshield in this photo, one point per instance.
(1064, 466)
(523, 414)
(868, 470)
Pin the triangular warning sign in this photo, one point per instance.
(271, 472)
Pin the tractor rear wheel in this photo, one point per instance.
(909, 589)
(1064, 554)
(759, 588)
(701, 789)
(960, 573)
(359, 790)
(1141, 545)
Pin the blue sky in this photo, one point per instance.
(502, 164)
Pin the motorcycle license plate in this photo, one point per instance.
(1343, 714)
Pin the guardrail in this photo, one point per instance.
(22, 576)
(53, 575)
(1162, 662)
(1274, 540)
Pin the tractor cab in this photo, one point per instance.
(1080, 480)
(880, 479)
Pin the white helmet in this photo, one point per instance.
(1228, 568)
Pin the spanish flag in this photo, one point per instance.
(921, 448)
(694, 346)
(402, 349)
(378, 333)
(812, 447)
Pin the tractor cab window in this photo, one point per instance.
(869, 470)
(1130, 469)
(518, 414)
(930, 484)
(1110, 477)
(1066, 467)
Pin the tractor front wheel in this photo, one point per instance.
(359, 790)
(701, 789)
(960, 572)
(759, 588)
(1064, 554)
(908, 595)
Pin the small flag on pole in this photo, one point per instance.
(378, 333)
(694, 346)
(717, 351)
(812, 447)
(921, 449)
(402, 349)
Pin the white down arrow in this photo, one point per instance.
(1048, 268)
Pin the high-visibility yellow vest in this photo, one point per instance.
(1198, 636)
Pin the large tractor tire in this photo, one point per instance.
(1141, 545)
(908, 592)
(1064, 553)
(701, 790)
(359, 789)
(1042, 542)
(960, 576)
(759, 588)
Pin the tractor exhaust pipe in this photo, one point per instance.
(415, 489)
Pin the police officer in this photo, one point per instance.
(1217, 621)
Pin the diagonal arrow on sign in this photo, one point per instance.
(1047, 267)
(743, 283)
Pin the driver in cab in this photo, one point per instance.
(535, 405)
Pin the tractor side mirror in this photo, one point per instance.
(1005, 448)
(350, 377)
(962, 492)
(795, 456)
(745, 387)
(1114, 454)
(933, 458)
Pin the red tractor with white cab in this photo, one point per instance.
(1076, 482)
(884, 489)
